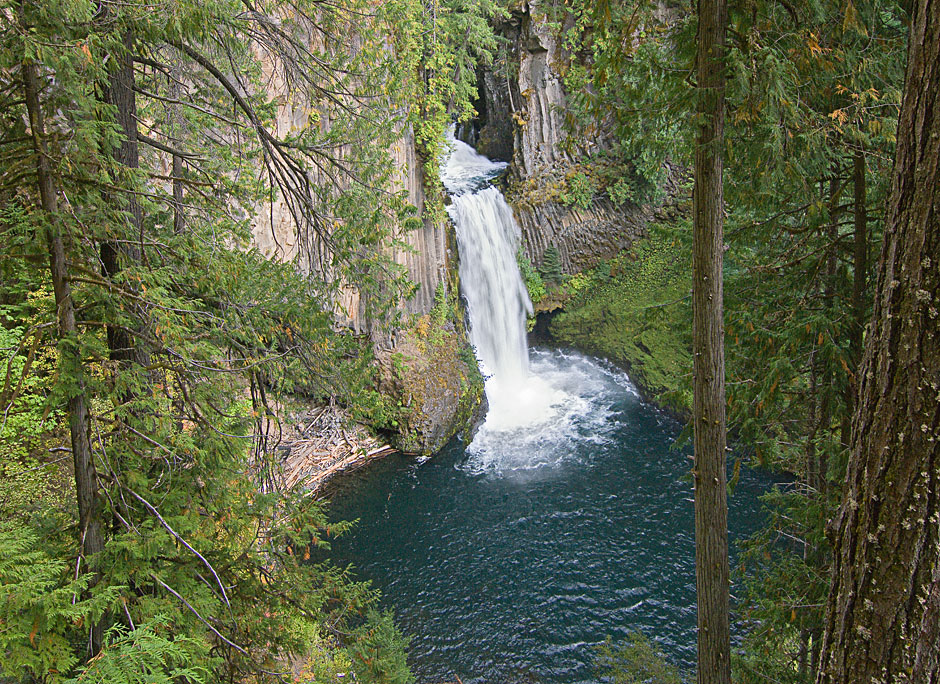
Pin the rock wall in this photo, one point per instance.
(430, 253)
(429, 257)
(523, 107)
(427, 369)
(583, 237)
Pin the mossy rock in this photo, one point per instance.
(435, 378)
(635, 311)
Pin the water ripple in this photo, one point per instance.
(511, 565)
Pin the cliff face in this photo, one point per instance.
(433, 253)
(430, 255)
(523, 121)
(439, 385)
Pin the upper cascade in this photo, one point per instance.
(497, 298)
(466, 171)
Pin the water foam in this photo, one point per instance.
(539, 422)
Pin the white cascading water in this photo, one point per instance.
(495, 292)
(535, 414)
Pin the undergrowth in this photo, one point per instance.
(636, 311)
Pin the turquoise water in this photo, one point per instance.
(511, 561)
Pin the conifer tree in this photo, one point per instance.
(708, 408)
(173, 334)
(883, 614)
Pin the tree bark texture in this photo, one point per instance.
(120, 93)
(90, 535)
(860, 259)
(711, 507)
(859, 287)
(883, 612)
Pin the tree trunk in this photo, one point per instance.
(859, 285)
(179, 221)
(120, 93)
(823, 429)
(90, 536)
(711, 506)
(883, 613)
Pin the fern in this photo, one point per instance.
(144, 656)
(42, 613)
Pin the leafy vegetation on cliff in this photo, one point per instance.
(634, 310)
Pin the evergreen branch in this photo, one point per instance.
(200, 617)
(186, 103)
(185, 543)
(286, 172)
(166, 148)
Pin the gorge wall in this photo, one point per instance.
(425, 368)
(430, 252)
(523, 116)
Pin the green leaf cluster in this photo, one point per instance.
(635, 660)
(445, 42)
(534, 284)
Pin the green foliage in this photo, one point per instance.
(41, 607)
(627, 76)
(635, 660)
(636, 312)
(579, 190)
(812, 97)
(534, 284)
(379, 409)
(444, 41)
(433, 328)
(144, 656)
(26, 428)
(183, 349)
(441, 313)
(785, 590)
(551, 266)
(327, 663)
(593, 177)
(622, 191)
(378, 654)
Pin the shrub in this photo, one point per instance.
(578, 191)
(635, 660)
(531, 277)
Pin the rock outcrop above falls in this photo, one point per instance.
(585, 235)
(523, 121)
(433, 376)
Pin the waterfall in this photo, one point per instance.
(538, 415)
(489, 275)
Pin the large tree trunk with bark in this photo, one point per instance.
(711, 506)
(883, 614)
(859, 287)
(90, 535)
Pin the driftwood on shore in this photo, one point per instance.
(322, 443)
